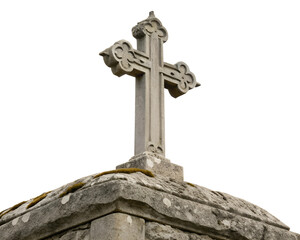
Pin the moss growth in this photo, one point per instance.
(17, 205)
(126, 170)
(11, 209)
(4, 212)
(190, 184)
(37, 199)
(72, 189)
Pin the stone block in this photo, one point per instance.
(118, 226)
(156, 231)
(155, 163)
(77, 233)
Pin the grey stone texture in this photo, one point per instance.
(155, 163)
(120, 206)
(118, 226)
(152, 75)
(77, 233)
(156, 231)
(190, 208)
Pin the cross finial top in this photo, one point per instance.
(152, 76)
(151, 14)
(150, 26)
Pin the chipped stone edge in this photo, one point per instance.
(90, 181)
(91, 203)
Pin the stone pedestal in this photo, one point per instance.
(135, 206)
(155, 163)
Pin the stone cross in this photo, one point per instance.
(152, 76)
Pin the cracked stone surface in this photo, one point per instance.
(180, 205)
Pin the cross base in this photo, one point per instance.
(155, 163)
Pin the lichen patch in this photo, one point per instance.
(65, 199)
(150, 163)
(226, 223)
(129, 220)
(167, 202)
(157, 160)
(189, 216)
(177, 207)
(26, 217)
(15, 221)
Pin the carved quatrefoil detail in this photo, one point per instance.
(186, 77)
(184, 80)
(120, 57)
(154, 27)
(124, 54)
(150, 26)
(154, 148)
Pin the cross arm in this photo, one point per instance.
(123, 59)
(178, 78)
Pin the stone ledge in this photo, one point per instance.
(172, 203)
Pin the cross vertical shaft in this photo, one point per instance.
(149, 107)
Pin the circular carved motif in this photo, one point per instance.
(124, 54)
(155, 149)
(150, 26)
(154, 27)
(186, 78)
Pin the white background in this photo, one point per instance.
(64, 115)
